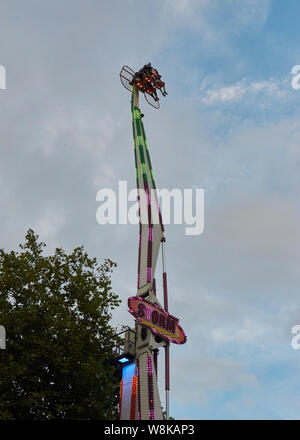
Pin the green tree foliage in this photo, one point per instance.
(56, 311)
(164, 413)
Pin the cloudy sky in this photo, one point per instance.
(230, 125)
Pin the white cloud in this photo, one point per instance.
(49, 225)
(232, 93)
(216, 20)
(205, 374)
(242, 90)
(249, 331)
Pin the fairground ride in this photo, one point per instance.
(155, 327)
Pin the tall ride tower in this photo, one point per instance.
(154, 327)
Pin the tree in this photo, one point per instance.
(56, 311)
(164, 413)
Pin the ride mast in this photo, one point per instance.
(154, 327)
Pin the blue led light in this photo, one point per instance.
(123, 360)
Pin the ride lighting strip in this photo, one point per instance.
(134, 390)
(139, 140)
(138, 389)
(150, 388)
(120, 399)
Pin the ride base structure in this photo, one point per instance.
(154, 327)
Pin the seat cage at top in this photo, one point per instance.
(126, 76)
